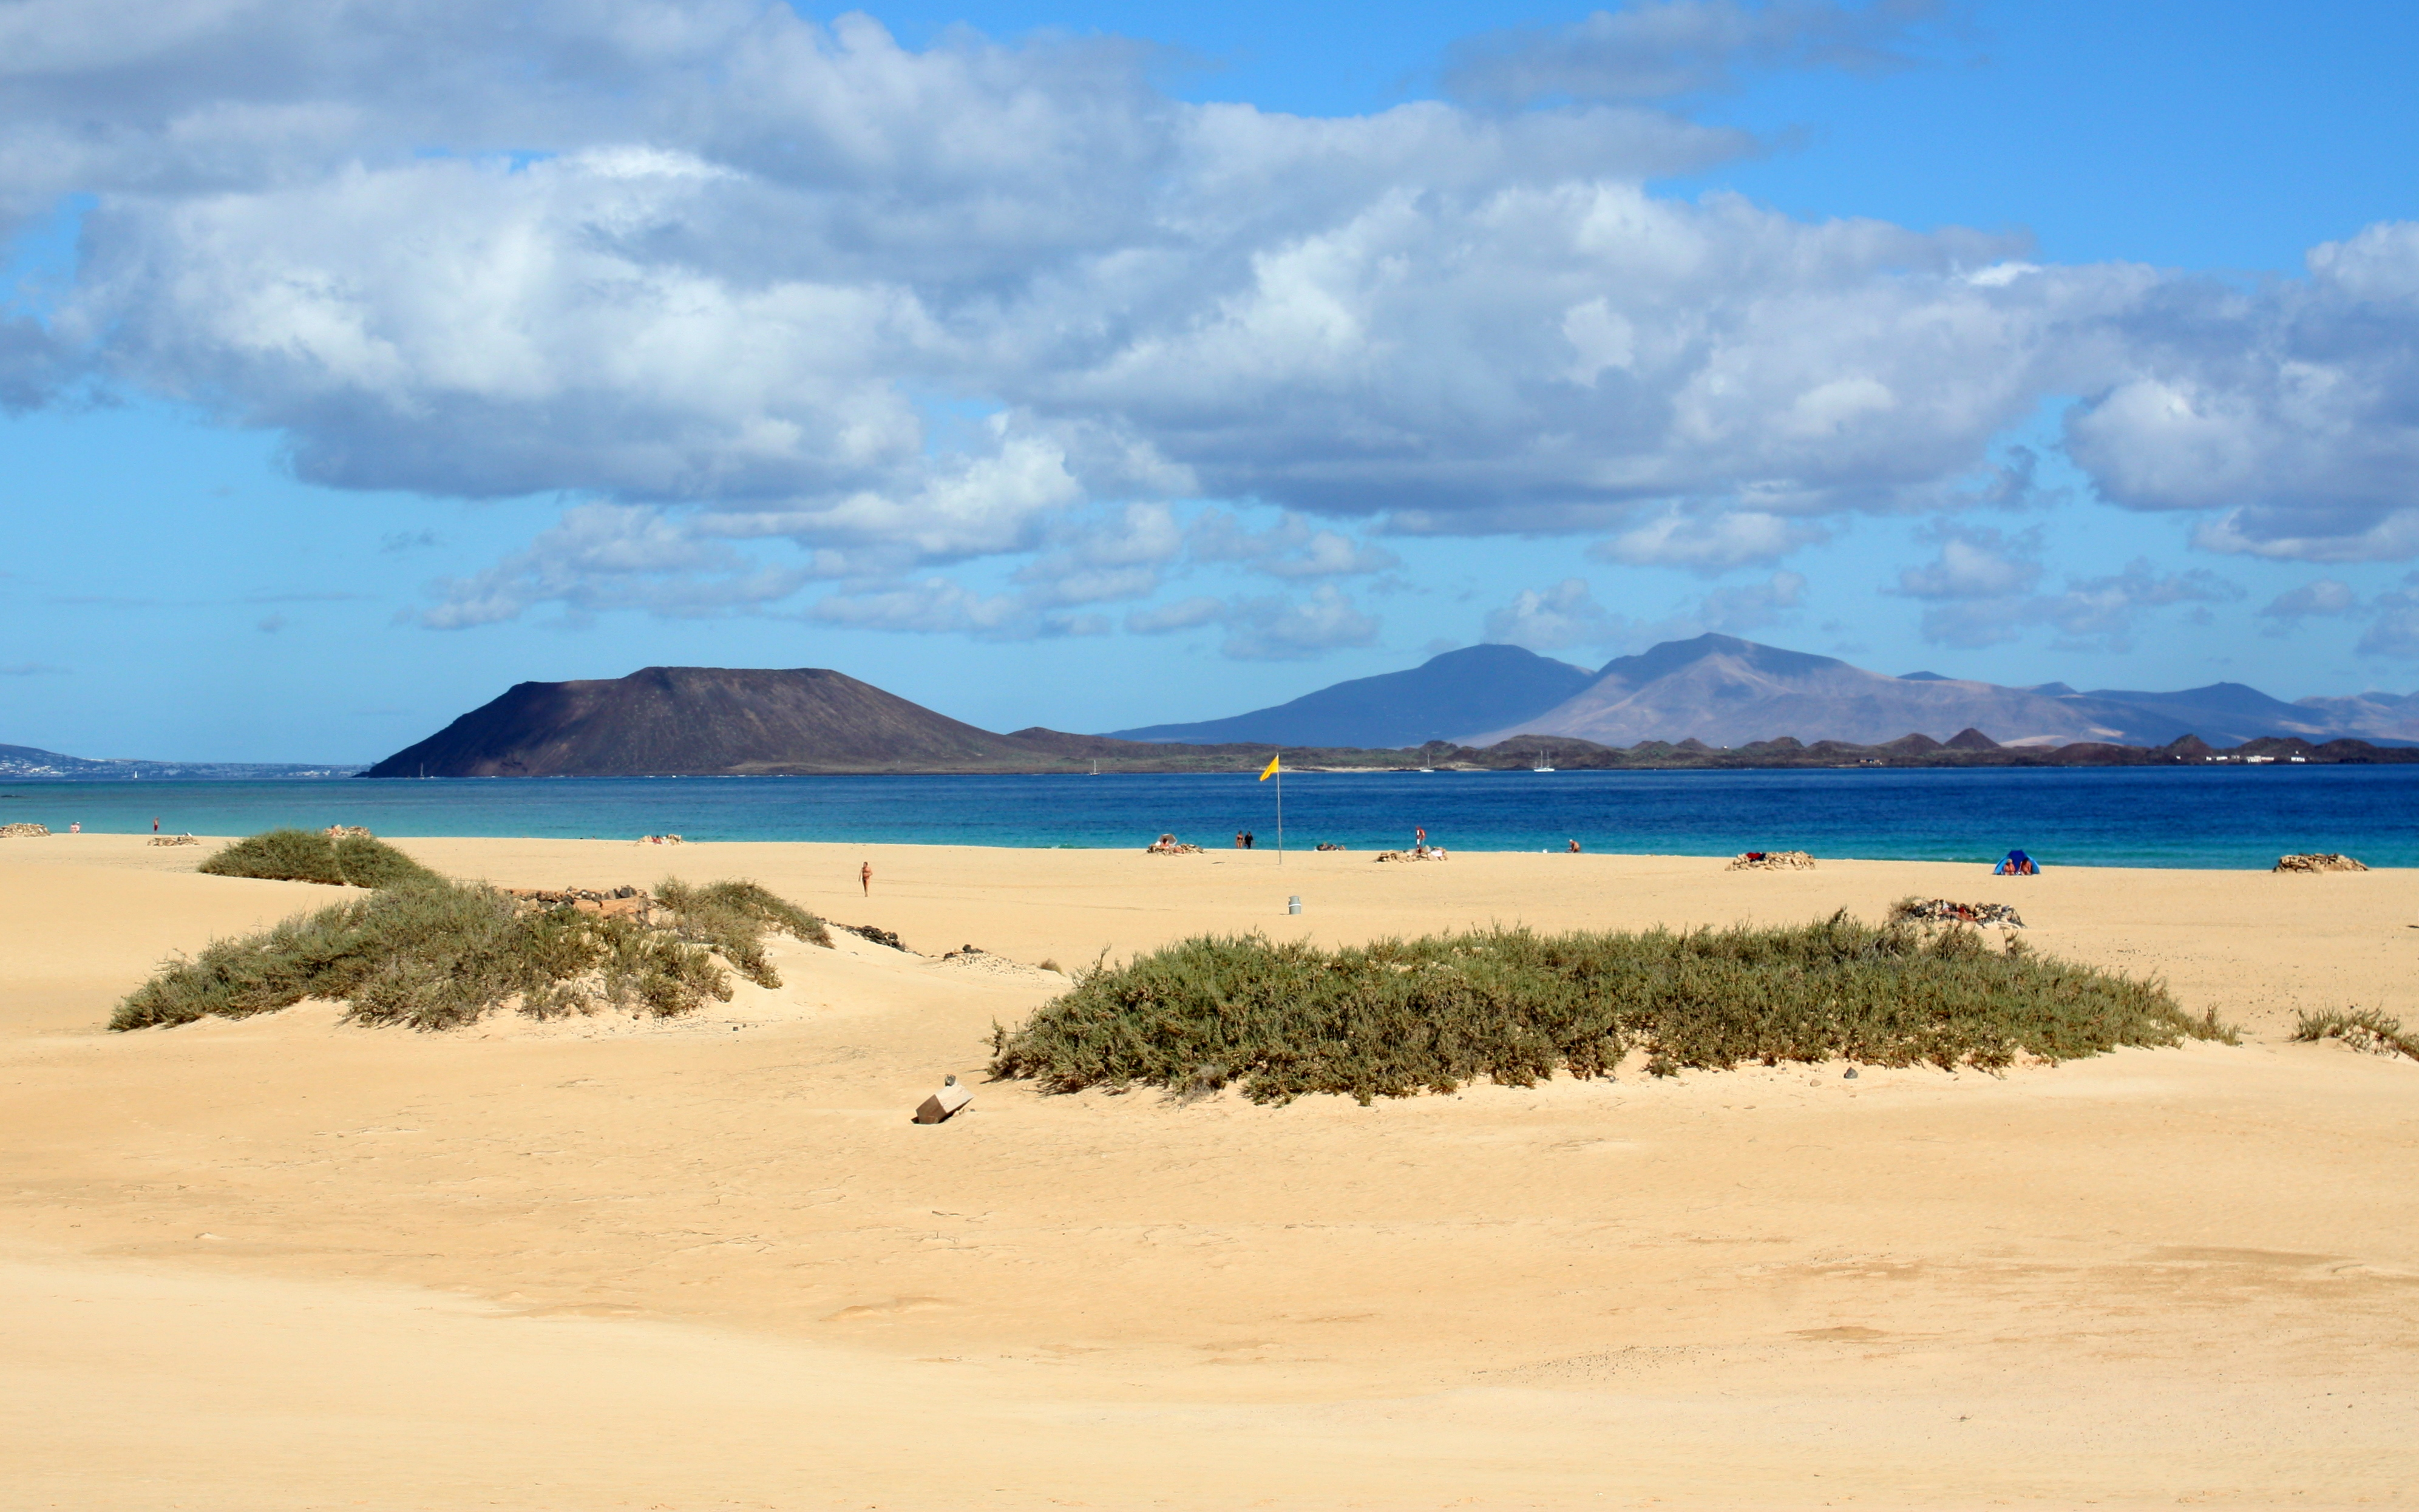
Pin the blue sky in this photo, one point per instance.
(1093, 367)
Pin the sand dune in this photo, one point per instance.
(709, 1264)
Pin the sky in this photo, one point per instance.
(1095, 367)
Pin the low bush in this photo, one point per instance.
(732, 919)
(2363, 1028)
(1401, 1016)
(307, 856)
(438, 954)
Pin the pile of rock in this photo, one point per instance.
(2318, 861)
(1423, 853)
(1941, 911)
(23, 831)
(621, 902)
(1170, 845)
(347, 831)
(174, 840)
(658, 839)
(1772, 861)
(877, 935)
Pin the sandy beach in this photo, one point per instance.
(709, 1263)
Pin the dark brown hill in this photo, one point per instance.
(701, 720)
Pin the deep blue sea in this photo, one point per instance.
(2207, 816)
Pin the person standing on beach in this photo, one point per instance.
(1420, 837)
(1239, 840)
(155, 823)
(864, 878)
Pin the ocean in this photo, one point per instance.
(2196, 816)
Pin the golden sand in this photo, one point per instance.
(710, 1263)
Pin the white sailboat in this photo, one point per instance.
(1541, 765)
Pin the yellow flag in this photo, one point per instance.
(1271, 771)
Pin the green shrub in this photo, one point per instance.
(1397, 1017)
(732, 918)
(438, 954)
(306, 855)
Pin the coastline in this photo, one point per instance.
(2218, 816)
(707, 1262)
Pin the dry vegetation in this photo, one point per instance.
(2363, 1028)
(434, 953)
(1402, 1016)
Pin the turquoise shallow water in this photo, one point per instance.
(2207, 816)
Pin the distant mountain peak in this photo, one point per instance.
(1731, 692)
(663, 720)
(1443, 696)
(1669, 657)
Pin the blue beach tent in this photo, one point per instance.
(2016, 864)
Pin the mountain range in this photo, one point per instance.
(1712, 700)
(1729, 692)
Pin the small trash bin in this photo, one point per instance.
(1293, 903)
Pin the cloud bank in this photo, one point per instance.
(736, 276)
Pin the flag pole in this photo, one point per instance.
(1276, 769)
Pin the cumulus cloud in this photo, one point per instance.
(938, 605)
(1975, 562)
(1118, 555)
(1292, 548)
(1710, 544)
(34, 366)
(1657, 49)
(1273, 627)
(1097, 560)
(1742, 610)
(2395, 632)
(2320, 599)
(599, 557)
(751, 248)
(1554, 618)
(1568, 615)
(2293, 407)
(2096, 613)
(762, 279)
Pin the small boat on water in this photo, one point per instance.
(1541, 765)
